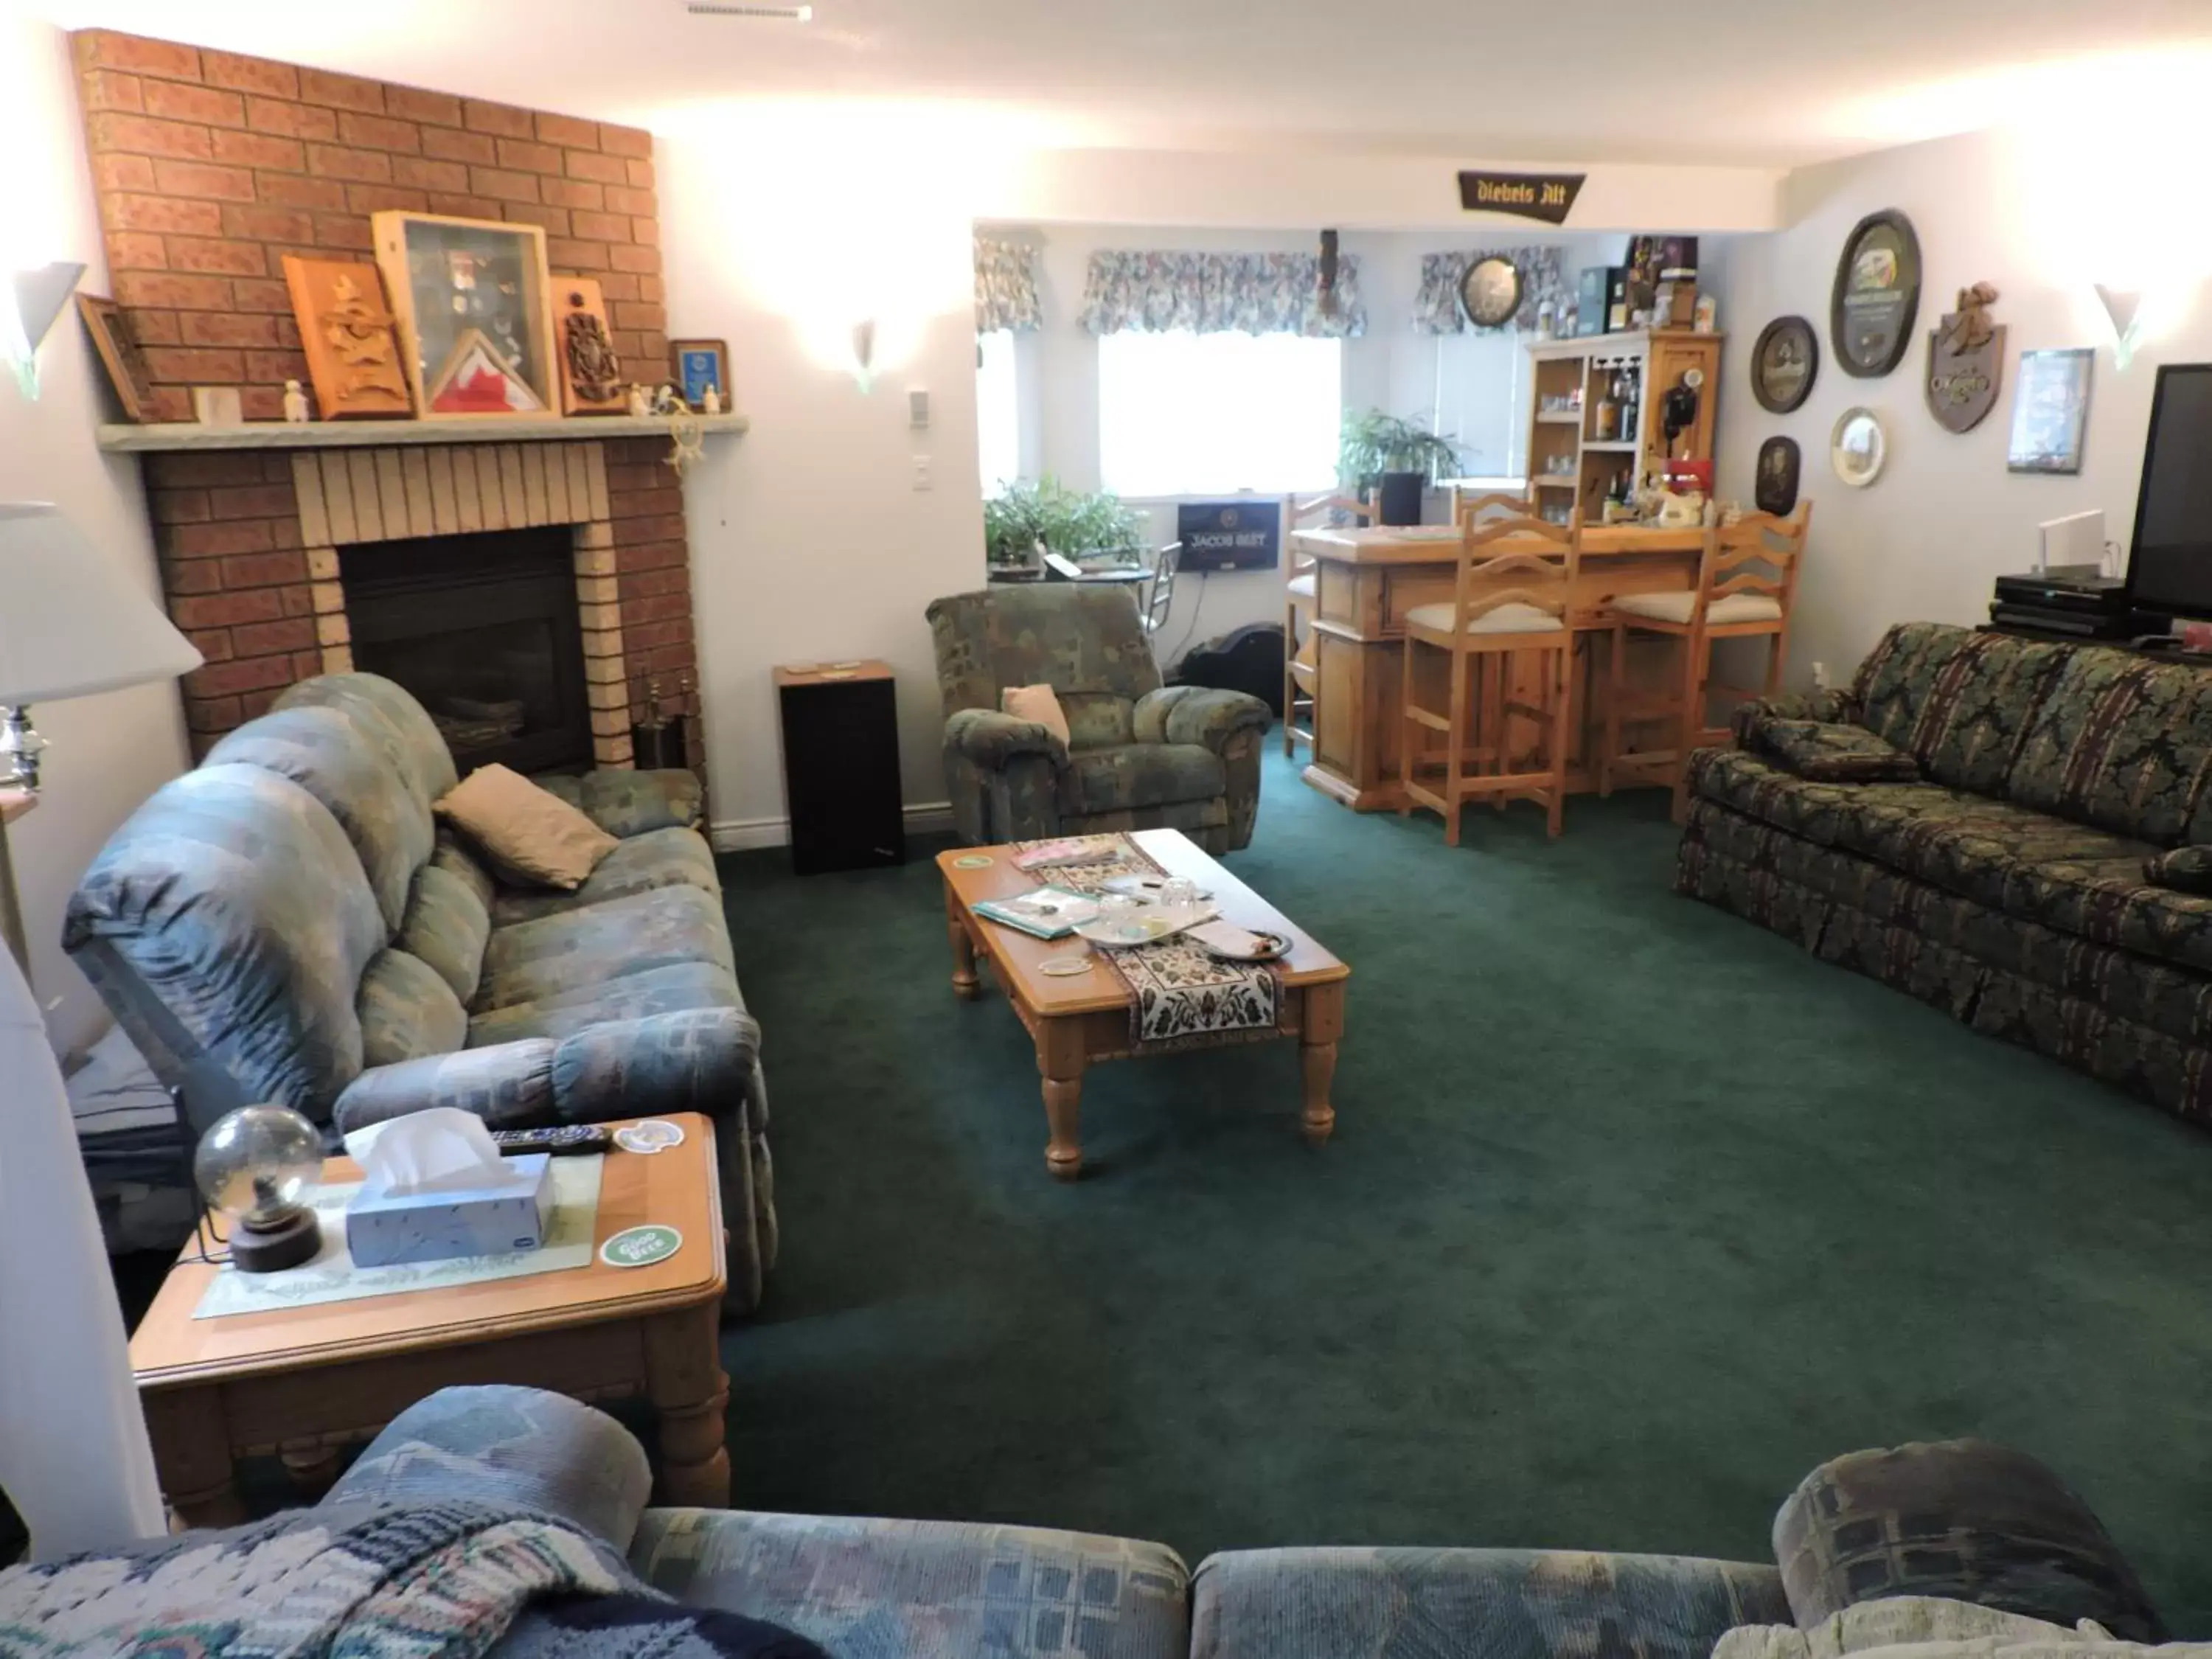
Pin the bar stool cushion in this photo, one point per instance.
(1302, 587)
(1515, 618)
(1677, 607)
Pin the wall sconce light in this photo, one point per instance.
(864, 353)
(28, 305)
(2124, 307)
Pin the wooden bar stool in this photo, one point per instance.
(1509, 604)
(1746, 584)
(1301, 598)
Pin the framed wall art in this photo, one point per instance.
(1877, 295)
(118, 354)
(471, 297)
(1780, 464)
(695, 365)
(2051, 410)
(350, 338)
(591, 372)
(1858, 447)
(1490, 291)
(1784, 363)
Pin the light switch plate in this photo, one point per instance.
(917, 406)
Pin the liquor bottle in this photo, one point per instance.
(1605, 417)
(1631, 400)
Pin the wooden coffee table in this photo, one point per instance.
(1077, 1020)
(303, 1383)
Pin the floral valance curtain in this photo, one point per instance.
(1006, 286)
(1220, 294)
(1437, 310)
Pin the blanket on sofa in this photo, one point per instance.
(1934, 1627)
(438, 1581)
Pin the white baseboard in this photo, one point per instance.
(750, 834)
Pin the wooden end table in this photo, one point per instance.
(1075, 1021)
(303, 1383)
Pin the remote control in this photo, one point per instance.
(562, 1140)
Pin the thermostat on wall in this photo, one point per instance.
(917, 406)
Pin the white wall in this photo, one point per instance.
(809, 540)
(109, 752)
(1928, 537)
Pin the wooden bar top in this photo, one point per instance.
(1439, 543)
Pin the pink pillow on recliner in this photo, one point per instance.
(1037, 703)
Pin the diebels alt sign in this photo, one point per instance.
(1230, 535)
(1545, 196)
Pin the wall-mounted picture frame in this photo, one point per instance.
(1859, 448)
(1781, 465)
(695, 365)
(1784, 363)
(110, 329)
(1490, 291)
(2051, 410)
(1876, 295)
(471, 299)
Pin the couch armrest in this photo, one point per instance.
(504, 1445)
(1829, 708)
(992, 739)
(1200, 715)
(2184, 869)
(695, 1060)
(627, 803)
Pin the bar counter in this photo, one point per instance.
(1365, 580)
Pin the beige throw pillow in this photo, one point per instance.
(1036, 703)
(532, 835)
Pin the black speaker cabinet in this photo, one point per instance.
(840, 766)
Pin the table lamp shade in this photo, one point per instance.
(71, 622)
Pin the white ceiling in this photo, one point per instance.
(1755, 82)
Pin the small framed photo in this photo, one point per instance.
(695, 365)
(118, 354)
(471, 298)
(2050, 411)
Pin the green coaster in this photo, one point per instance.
(641, 1247)
(973, 861)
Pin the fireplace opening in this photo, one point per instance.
(484, 630)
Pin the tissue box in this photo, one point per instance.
(384, 1229)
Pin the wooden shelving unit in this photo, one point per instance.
(1567, 461)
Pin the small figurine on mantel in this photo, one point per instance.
(710, 402)
(295, 403)
(640, 402)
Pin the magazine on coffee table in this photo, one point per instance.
(1048, 913)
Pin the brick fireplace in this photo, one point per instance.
(208, 167)
(250, 546)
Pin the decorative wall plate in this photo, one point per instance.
(1780, 464)
(1784, 363)
(1490, 291)
(1877, 295)
(1858, 447)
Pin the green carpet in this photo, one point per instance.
(1634, 1213)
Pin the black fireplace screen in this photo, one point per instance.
(484, 630)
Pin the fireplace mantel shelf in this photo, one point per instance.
(379, 435)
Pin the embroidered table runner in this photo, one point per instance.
(1180, 994)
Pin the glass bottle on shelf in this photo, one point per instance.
(1604, 419)
(1632, 401)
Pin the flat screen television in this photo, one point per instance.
(2170, 569)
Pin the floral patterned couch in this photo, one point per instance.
(2018, 832)
(288, 923)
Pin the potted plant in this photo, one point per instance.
(1024, 521)
(1396, 456)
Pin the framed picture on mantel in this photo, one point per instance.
(475, 326)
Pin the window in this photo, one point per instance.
(1213, 414)
(1482, 400)
(997, 410)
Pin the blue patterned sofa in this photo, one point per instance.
(1139, 755)
(937, 1589)
(288, 923)
(2017, 832)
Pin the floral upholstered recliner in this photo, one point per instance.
(1140, 756)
